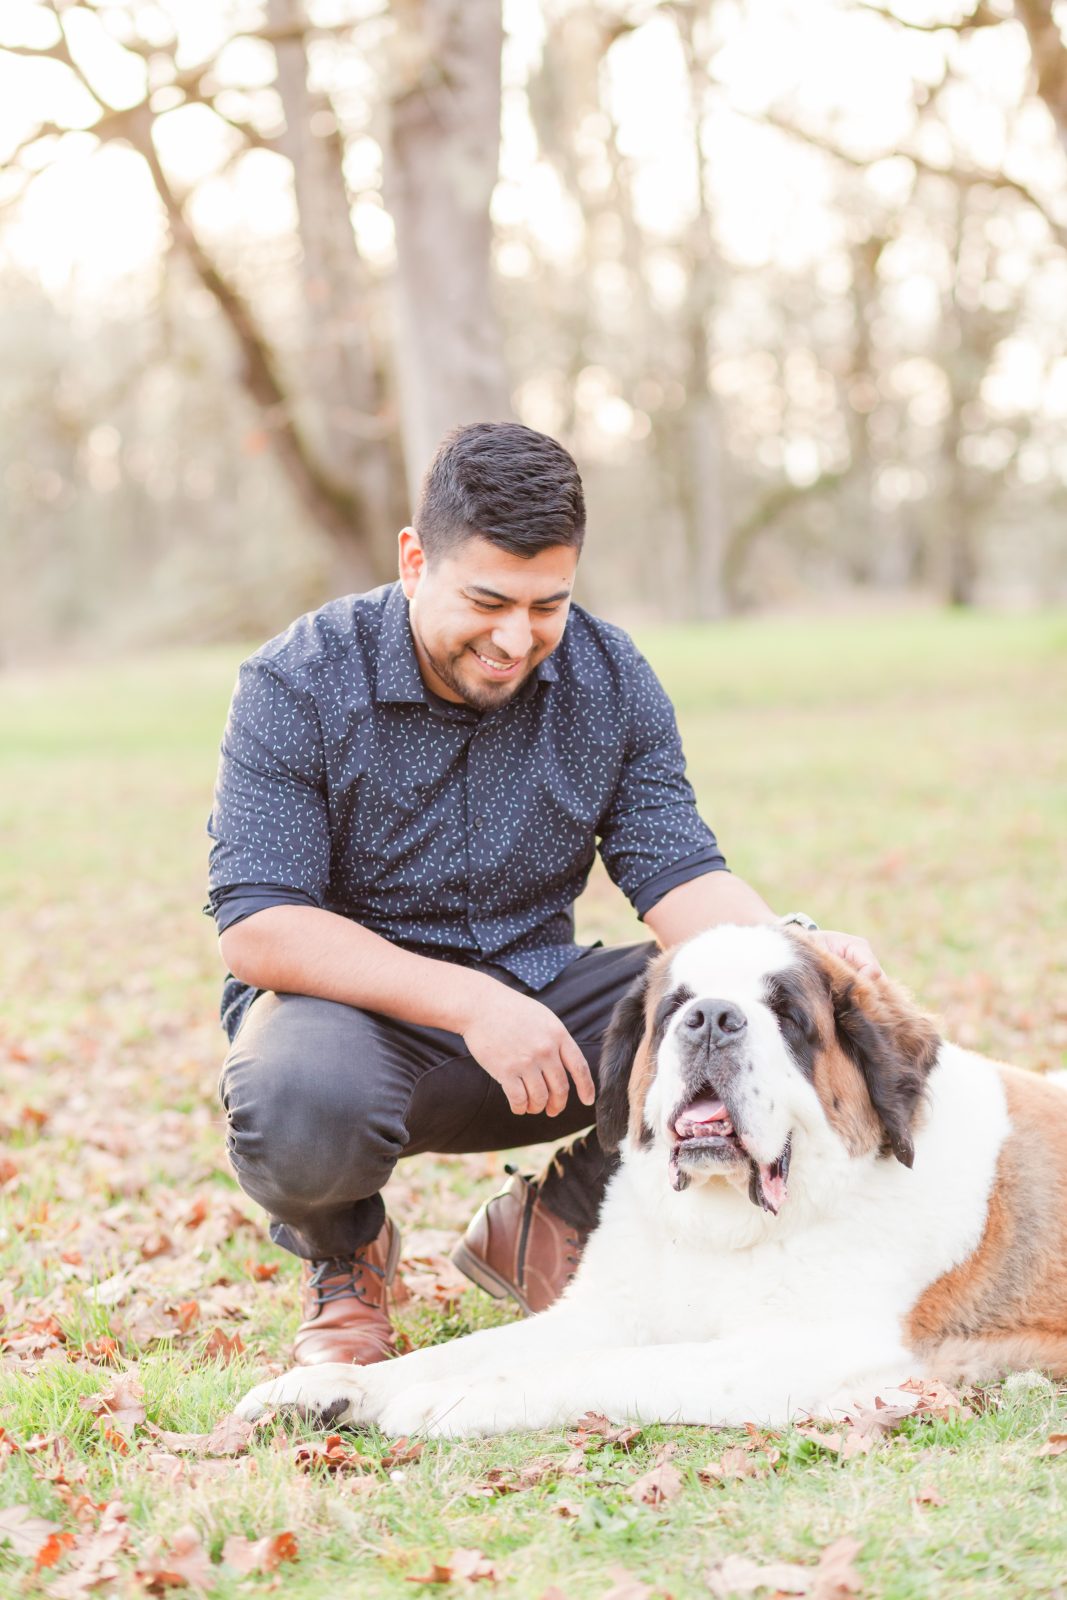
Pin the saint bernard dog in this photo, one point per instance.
(818, 1199)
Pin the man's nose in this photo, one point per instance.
(513, 636)
(716, 1023)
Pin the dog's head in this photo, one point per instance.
(737, 1047)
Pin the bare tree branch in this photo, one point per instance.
(966, 177)
(333, 505)
(766, 511)
(983, 16)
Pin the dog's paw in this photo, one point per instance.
(327, 1396)
(451, 1408)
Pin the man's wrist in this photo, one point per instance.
(465, 996)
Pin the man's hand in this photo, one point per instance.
(526, 1048)
(851, 948)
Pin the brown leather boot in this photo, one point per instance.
(515, 1245)
(345, 1304)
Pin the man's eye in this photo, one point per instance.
(486, 605)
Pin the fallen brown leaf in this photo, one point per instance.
(593, 1430)
(25, 1532)
(53, 1549)
(832, 1579)
(333, 1454)
(656, 1487)
(929, 1496)
(1056, 1445)
(936, 1399)
(184, 1563)
(401, 1453)
(463, 1566)
(736, 1462)
(259, 1555)
(119, 1409)
(94, 1553)
(229, 1437)
(220, 1347)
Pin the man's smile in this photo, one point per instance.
(498, 669)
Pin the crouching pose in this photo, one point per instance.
(818, 1198)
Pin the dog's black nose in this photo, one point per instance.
(714, 1022)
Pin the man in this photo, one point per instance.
(412, 786)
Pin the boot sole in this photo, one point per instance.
(474, 1268)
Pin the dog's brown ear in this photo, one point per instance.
(618, 1053)
(894, 1046)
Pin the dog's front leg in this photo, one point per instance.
(720, 1383)
(338, 1394)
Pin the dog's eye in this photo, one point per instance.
(669, 1007)
(791, 1018)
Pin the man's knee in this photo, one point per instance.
(311, 1104)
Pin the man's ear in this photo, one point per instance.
(618, 1052)
(894, 1046)
(412, 560)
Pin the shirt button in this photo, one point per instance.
(479, 822)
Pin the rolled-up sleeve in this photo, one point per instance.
(270, 819)
(652, 837)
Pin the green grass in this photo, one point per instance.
(905, 777)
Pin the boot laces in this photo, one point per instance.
(347, 1271)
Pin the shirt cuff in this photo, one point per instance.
(695, 866)
(236, 901)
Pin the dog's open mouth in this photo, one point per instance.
(703, 1134)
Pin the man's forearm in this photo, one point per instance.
(702, 903)
(302, 950)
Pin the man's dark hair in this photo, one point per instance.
(503, 482)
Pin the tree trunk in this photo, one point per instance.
(339, 388)
(703, 498)
(1048, 51)
(440, 171)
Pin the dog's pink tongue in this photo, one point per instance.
(706, 1109)
(772, 1182)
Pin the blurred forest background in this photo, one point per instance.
(788, 276)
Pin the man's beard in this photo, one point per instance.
(482, 697)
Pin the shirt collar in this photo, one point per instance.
(399, 680)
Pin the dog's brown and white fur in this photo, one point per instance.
(818, 1198)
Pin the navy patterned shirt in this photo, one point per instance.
(345, 783)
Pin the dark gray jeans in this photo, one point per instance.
(323, 1099)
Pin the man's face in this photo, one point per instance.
(483, 619)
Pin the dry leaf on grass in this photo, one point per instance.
(1055, 1445)
(740, 1461)
(656, 1487)
(936, 1399)
(259, 1555)
(119, 1409)
(833, 1579)
(332, 1454)
(594, 1430)
(94, 1553)
(230, 1437)
(222, 1348)
(929, 1496)
(182, 1563)
(462, 1566)
(401, 1453)
(512, 1480)
(26, 1532)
